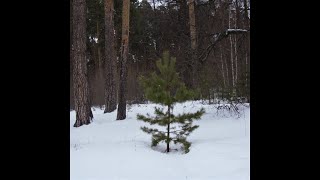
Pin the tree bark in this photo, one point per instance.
(192, 23)
(121, 114)
(110, 59)
(227, 72)
(237, 68)
(247, 23)
(193, 37)
(232, 64)
(99, 80)
(222, 68)
(231, 51)
(168, 131)
(80, 74)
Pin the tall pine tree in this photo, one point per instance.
(166, 89)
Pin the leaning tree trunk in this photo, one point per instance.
(110, 55)
(123, 61)
(80, 78)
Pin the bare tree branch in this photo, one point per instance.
(216, 37)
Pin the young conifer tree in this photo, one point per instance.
(165, 88)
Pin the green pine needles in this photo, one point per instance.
(166, 89)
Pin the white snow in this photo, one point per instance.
(108, 149)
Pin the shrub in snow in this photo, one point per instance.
(165, 88)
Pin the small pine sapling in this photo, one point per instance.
(166, 88)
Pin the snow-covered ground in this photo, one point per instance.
(118, 150)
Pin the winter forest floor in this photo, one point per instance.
(118, 150)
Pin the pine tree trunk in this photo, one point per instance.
(168, 131)
(247, 80)
(121, 114)
(192, 23)
(71, 58)
(223, 53)
(110, 59)
(222, 67)
(235, 61)
(231, 52)
(193, 37)
(235, 46)
(231, 59)
(227, 71)
(98, 47)
(247, 24)
(80, 74)
(99, 86)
